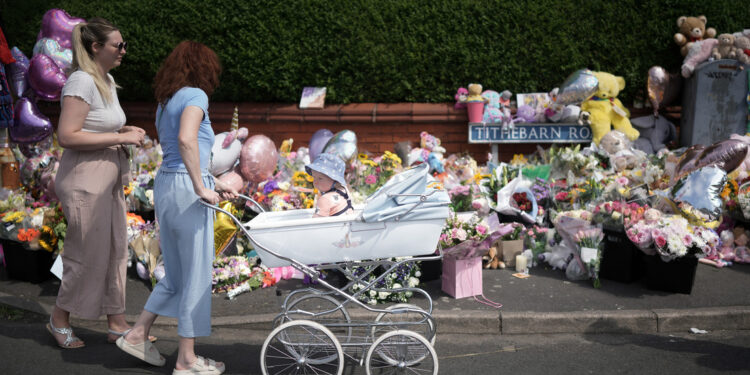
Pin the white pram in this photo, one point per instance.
(315, 330)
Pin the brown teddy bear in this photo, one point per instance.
(692, 29)
(492, 258)
(725, 49)
(742, 49)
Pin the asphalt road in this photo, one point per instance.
(27, 348)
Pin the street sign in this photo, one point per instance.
(529, 133)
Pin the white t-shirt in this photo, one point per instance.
(103, 117)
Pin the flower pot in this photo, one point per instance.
(26, 265)
(510, 249)
(676, 276)
(475, 111)
(621, 260)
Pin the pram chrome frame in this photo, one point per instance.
(358, 348)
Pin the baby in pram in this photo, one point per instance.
(334, 198)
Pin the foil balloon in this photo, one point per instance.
(17, 73)
(258, 158)
(698, 198)
(47, 179)
(318, 141)
(578, 87)
(233, 180)
(32, 168)
(343, 144)
(31, 150)
(140, 268)
(727, 155)
(29, 125)
(46, 78)
(224, 158)
(57, 24)
(63, 57)
(658, 79)
(224, 227)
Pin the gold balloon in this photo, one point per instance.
(224, 227)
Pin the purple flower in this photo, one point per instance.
(270, 186)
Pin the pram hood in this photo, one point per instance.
(389, 203)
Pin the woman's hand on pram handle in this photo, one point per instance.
(209, 195)
(226, 191)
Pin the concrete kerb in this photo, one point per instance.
(502, 322)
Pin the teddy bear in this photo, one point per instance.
(429, 152)
(725, 49)
(605, 110)
(618, 147)
(497, 108)
(699, 52)
(742, 49)
(655, 131)
(492, 259)
(692, 29)
(461, 94)
(475, 93)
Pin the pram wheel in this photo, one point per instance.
(301, 346)
(418, 321)
(323, 309)
(401, 352)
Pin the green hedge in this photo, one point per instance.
(389, 50)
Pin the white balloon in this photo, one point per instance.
(223, 159)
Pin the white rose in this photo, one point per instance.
(413, 281)
(383, 295)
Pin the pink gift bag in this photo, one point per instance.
(462, 277)
(475, 111)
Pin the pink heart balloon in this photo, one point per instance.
(58, 25)
(17, 73)
(258, 158)
(233, 179)
(63, 57)
(29, 125)
(46, 78)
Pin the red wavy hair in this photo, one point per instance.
(191, 64)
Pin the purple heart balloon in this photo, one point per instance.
(29, 125)
(46, 78)
(58, 25)
(318, 141)
(17, 73)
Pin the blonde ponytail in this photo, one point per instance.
(84, 35)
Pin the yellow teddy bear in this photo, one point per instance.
(606, 111)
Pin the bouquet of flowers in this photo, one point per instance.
(457, 231)
(618, 215)
(281, 196)
(461, 198)
(536, 240)
(232, 272)
(640, 234)
(589, 241)
(404, 276)
(370, 174)
(673, 238)
(572, 159)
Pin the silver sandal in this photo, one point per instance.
(68, 332)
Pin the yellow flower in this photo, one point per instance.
(369, 163)
(362, 157)
(518, 159)
(47, 240)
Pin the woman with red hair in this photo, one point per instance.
(182, 86)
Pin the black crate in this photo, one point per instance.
(27, 265)
(621, 260)
(676, 276)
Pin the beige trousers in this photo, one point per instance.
(89, 185)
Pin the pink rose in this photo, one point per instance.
(370, 179)
(461, 234)
(660, 241)
(481, 229)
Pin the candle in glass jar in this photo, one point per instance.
(520, 263)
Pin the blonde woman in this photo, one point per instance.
(89, 183)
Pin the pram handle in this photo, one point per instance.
(245, 197)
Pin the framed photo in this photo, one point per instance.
(313, 97)
(537, 100)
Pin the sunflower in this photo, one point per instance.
(47, 239)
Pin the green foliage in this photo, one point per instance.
(389, 50)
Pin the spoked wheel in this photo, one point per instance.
(301, 347)
(401, 352)
(422, 322)
(338, 321)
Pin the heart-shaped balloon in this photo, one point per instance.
(17, 73)
(63, 57)
(58, 25)
(31, 150)
(234, 180)
(318, 141)
(343, 144)
(29, 125)
(46, 78)
(578, 87)
(258, 158)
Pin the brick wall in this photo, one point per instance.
(379, 126)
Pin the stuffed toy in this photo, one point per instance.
(725, 49)
(692, 29)
(655, 131)
(524, 113)
(461, 96)
(492, 259)
(742, 49)
(475, 93)
(430, 152)
(497, 108)
(698, 53)
(618, 147)
(606, 111)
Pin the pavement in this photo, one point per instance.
(544, 303)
